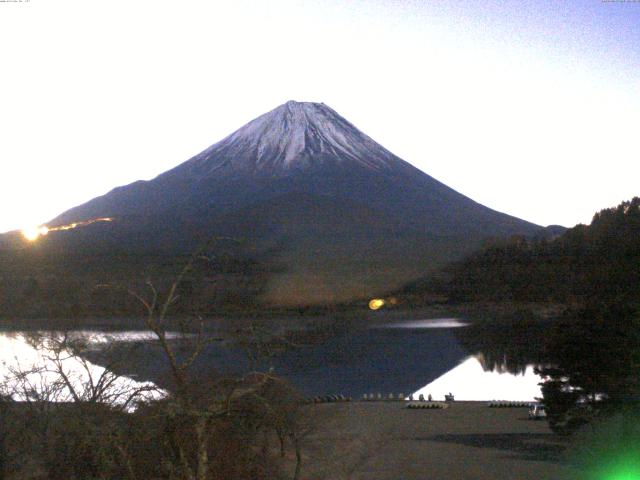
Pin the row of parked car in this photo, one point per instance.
(537, 411)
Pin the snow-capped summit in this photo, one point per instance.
(292, 136)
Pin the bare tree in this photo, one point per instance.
(81, 420)
(63, 374)
(258, 400)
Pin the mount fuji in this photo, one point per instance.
(334, 213)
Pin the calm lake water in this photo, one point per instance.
(33, 366)
(418, 356)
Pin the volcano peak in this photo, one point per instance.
(293, 136)
(331, 214)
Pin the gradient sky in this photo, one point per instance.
(529, 107)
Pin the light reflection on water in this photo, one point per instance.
(427, 323)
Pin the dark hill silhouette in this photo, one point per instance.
(336, 214)
(587, 263)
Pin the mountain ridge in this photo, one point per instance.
(342, 210)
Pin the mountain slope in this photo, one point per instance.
(335, 213)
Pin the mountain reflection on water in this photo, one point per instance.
(471, 381)
(351, 361)
(509, 345)
(500, 366)
(392, 358)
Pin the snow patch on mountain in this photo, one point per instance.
(294, 135)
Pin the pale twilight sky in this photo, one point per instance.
(529, 107)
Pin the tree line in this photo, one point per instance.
(600, 260)
(590, 354)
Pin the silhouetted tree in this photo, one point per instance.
(596, 354)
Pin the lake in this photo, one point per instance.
(35, 366)
(417, 356)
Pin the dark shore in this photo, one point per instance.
(468, 441)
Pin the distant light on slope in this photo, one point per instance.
(376, 303)
(34, 233)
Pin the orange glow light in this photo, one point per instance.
(376, 303)
(33, 233)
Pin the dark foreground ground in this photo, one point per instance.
(384, 440)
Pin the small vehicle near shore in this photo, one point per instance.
(537, 412)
